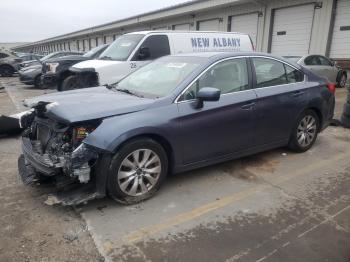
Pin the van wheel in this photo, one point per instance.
(70, 83)
(304, 132)
(6, 71)
(137, 171)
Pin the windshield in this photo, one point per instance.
(47, 56)
(93, 51)
(293, 58)
(122, 47)
(159, 78)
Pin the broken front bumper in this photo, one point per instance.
(73, 179)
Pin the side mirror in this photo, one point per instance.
(207, 94)
(144, 53)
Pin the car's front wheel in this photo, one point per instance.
(70, 83)
(137, 171)
(6, 71)
(305, 132)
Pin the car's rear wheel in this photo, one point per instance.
(342, 81)
(137, 171)
(70, 83)
(6, 71)
(304, 132)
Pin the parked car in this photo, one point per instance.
(177, 113)
(29, 56)
(37, 61)
(56, 70)
(9, 63)
(31, 75)
(133, 50)
(322, 66)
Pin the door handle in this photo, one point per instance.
(248, 106)
(298, 93)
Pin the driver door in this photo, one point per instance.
(221, 127)
(157, 46)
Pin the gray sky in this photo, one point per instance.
(32, 20)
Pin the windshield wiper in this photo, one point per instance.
(106, 58)
(127, 91)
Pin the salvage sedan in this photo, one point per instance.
(175, 114)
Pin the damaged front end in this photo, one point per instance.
(55, 151)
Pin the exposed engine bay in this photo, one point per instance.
(54, 150)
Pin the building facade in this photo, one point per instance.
(281, 27)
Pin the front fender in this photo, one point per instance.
(114, 131)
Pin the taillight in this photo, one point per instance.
(331, 87)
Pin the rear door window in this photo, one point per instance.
(158, 46)
(270, 72)
(324, 61)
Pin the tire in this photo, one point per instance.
(345, 120)
(37, 82)
(346, 109)
(129, 189)
(303, 138)
(342, 81)
(70, 83)
(6, 70)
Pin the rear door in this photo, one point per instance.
(220, 127)
(281, 95)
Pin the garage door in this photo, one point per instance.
(209, 25)
(246, 24)
(292, 30)
(340, 47)
(185, 27)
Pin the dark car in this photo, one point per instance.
(56, 72)
(9, 63)
(39, 60)
(30, 73)
(177, 113)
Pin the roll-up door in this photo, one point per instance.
(247, 23)
(292, 28)
(208, 25)
(184, 27)
(340, 47)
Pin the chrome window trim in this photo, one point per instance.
(176, 101)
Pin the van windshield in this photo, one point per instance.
(122, 47)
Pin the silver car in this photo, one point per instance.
(9, 63)
(322, 66)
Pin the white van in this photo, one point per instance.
(133, 50)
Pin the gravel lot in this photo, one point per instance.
(273, 206)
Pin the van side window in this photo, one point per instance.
(157, 45)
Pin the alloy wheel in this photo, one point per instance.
(343, 80)
(307, 130)
(139, 172)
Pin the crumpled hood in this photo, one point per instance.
(88, 104)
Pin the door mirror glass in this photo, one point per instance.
(144, 53)
(207, 94)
